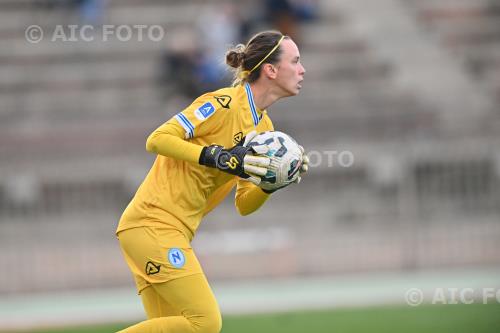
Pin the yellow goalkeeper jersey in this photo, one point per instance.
(177, 193)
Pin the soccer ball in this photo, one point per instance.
(286, 157)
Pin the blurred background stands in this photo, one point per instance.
(415, 100)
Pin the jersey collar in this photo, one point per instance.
(253, 109)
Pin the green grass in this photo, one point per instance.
(475, 318)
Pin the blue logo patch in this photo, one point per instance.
(204, 111)
(176, 257)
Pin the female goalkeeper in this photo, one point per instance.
(191, 175)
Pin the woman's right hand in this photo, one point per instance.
(238, 160)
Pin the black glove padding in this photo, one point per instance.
(238, 160)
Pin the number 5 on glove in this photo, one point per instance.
(238, 160)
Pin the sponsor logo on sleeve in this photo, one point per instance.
(204, 111)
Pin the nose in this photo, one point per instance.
(302, 69)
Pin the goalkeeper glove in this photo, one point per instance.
(276, 164)
(238, 160)
(304, 166)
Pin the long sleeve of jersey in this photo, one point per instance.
(249, 197)
(168, 140)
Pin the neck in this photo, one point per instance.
(263, 95)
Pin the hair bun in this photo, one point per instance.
(236, 56)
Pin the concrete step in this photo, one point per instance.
(331, 37)
(78, 103)
(48, 46)
(451, 5)
(318, 58)
(304, 109)
(169, 14)
(472, 23)
(473, 35)
(34, 75)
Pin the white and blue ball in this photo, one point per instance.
(286, 158)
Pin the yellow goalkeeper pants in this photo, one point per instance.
(174, 290)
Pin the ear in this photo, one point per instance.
(270, 71)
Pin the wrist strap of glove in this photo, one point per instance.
(209, 155)
(230, 161)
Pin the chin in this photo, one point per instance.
(293, 91)
(290, 91)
